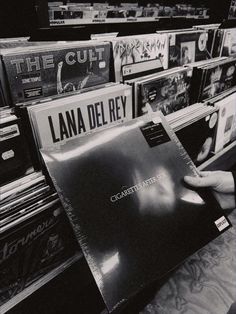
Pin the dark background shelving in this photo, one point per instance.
(30, 18)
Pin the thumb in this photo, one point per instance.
(200, 182)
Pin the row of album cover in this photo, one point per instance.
(35, 235)
(34, 70)
(51, 124)
(58, 92)
(60, 10)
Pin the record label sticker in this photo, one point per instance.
(9, 132)
(155, 134)
(221, 223)
(8, 154)
(152, 94)
(213, 120)
(33, 92)
(102, 65)
(202, 41)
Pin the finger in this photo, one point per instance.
(200, 182)
(205, 173)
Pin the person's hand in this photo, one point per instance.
(221, 182)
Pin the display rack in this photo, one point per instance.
(120, 20)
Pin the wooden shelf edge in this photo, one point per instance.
(39, 283)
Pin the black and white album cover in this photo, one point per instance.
(167, 93)
(198, 137)
(187, 47)
(229, 42)
(55, 69)
(227, 116)
(218, 78)
(134, 49)
(130, 210)
(59, 120)
(211, 30)
(31, 249)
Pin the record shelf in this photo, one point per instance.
(223, 160)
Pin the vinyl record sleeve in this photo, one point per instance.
(57, 121)
(168, 94)
(217, 79)
(211, 33)
(187, 47)
(57, 69)
(227, 115)
(32, 249)
(123, 191)
(198, 137)
(133, 49)
(229, 42)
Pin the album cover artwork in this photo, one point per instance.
(227, 114)
(15, 160)
(198, 138)
(56, 69)
(57, 121)
(229, 42)
(212, 30)
(166, 93)
(130, 210)
(218, 78)
(32, 249)
(187, 47)
(218, 43)
(133, 49)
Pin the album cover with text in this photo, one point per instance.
(131, 212)
(55, 69)
(57, 121)
(133, 49)
(33, 248)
